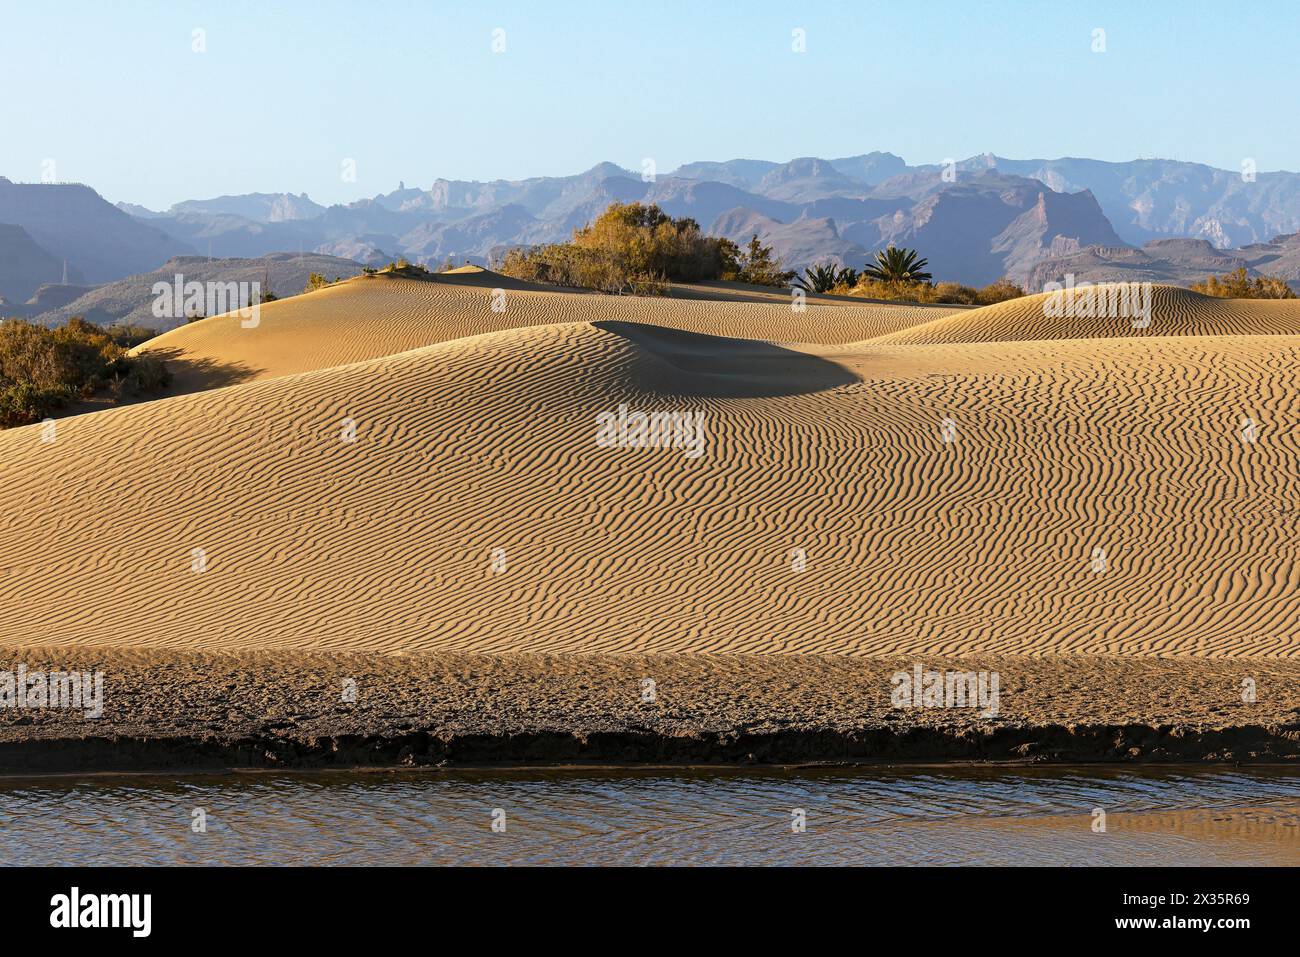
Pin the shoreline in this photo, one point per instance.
(648, 770)
(1066, 747)
(167, 711)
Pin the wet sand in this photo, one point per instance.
(164, 709)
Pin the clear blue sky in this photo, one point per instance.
(412, 90)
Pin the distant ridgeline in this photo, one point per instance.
(976, 221)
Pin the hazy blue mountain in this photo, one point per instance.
(258, 207)
(131, 299)
(706, 201)
(977, 230)
(470, 239)
(547, 197)
(25, 267)
(139, 212)
(741, 173)
(1180, 262)
(804, 241)
(871, 168)
(985, 216)
(808, 179)
(54, 295)
(223, 235)
(1278, 257)
(363, 249)
(73, 222)
(1152, 199)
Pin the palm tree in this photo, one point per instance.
(825, 278)
(900, 266)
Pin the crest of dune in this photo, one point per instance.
(402, 465)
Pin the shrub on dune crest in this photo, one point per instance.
(943, 293)
(899, 275)
(566, 264)
(910, 292)
(1240, 285)
(999, 291)
(635, 248)
(400, 267)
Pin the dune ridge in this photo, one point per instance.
(370, 317)
(1067, 315)
(856, 497)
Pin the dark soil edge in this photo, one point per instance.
(1056, 744)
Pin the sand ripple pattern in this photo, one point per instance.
(1173, 312)
(367, 318)
(1061, 452)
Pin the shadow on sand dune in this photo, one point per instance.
(691, 363)
(188, 375)
(195, 373)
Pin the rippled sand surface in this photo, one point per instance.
(397, 466)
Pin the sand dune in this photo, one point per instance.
(1172, 312)
(1105, 495)
(367, 318)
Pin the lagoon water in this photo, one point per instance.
(948, 815)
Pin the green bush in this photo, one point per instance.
(147, 373)
(898, 266)
(999, 291)
(943, 293)
(403, 268)
(755, 265)
(826, 278)
(629, 248)
(42, 370)
(128, 336)
(22, 404)
(899, 275)
(1240, 285)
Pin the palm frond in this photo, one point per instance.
(898, 265)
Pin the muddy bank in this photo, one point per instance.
(163, 710)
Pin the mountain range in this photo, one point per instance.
(73, 223)
(975, 220)
(130, 300)
(1177, 262)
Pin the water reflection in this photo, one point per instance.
(586, 816)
